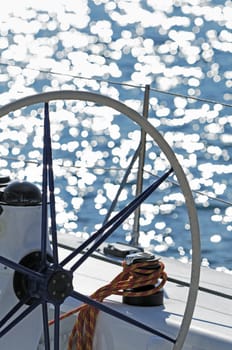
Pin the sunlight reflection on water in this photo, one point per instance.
(182, 47)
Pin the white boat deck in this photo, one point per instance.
(211, 327)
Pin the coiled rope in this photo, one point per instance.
(136, 275)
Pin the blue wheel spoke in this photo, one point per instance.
(99, 237)
(14, 309)
(51, 185)
(48, 180)
(19, 318)
(45, 326)
(57, 327)
(44, 223)
(103, 307)
(20, 268)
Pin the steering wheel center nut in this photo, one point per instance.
(59, 286)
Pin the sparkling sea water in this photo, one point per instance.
(182, 50)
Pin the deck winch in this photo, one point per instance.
(150, 269)
(141, 295)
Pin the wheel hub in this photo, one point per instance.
(59, 286)
(54, 288)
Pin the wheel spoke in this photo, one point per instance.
(14, 309)
(20, 268)
(103, 307)
(19, 318)
(51, 184)
(44, 221)
(112, 224)
(123, 183)
(57, 327)
(48, 180)
(45, 326)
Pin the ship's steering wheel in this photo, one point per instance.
(52, 283)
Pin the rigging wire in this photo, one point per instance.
(112, 82)
(134, 169)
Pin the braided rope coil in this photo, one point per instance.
(148, 273)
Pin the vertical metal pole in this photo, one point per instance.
(139, 184)
(44, 220)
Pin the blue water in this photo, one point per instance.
(176, 48)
